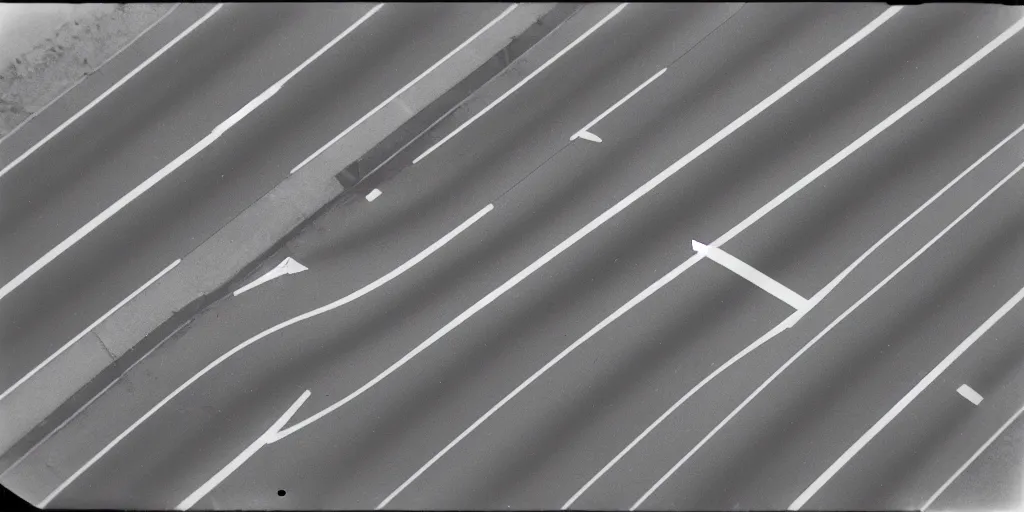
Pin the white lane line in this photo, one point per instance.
(679, 269)
(287, 267)
(87, 330)
(169, 168)
(970, 394)
(585, 133)
(628, 200)
(522, 82)
(246, 454)
(112, 88)
(78, 411)
(755, 276)
(404, 88)
(647, 292)
(905, 401)
(785, 324)
(374, 194)
(601, 219)
(791, 319)
(924, 95)
(972, 459)
(819, 336)
(323, 309)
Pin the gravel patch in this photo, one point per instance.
(56, 45)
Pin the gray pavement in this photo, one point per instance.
(549, 440)
(171, 111)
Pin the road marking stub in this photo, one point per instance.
(970, 394)
(585, 135)
(374, 194)
(779, 290)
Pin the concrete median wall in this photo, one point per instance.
(206, 274)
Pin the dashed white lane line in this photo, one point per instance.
(374, 194)
(585, 133)
(755, 276)
(788, 322)
(323, 309)
(902, 404)
(964, 66)
(246, 454)
(171, 167)
(523, 82)
(622, 204)
(974, 457)
(87, 330)
(814, 300)
(970, 394)
(117, 85)
(287, 267)
(404, 88)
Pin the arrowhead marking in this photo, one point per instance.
(291, 266)
(286, 267)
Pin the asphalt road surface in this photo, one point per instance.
(163, 111)
(540, 336)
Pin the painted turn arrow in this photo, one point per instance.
(288, 266)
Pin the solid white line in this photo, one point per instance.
(249, 107)
(905, 401)
(582, 232)
(668, 412)
(586, 129)
(920, 98)
(792, 318)
(755, 276)
(614, 210)
(522, 82)
(167, 169)
(647, 292)
(819, 336)
(595, 223)
(404, 88)
(972, 459)
(969, 393)
(246, 454)
(323, 309)
(80, 409)
(374, 194)
(334, 41)
(112, 88)
(87, 330)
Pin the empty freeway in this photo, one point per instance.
(675, 256)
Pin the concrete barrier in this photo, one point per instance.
(207, 273)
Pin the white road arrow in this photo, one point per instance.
(288, 266)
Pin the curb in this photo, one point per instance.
(420, 124)
(209, 272)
